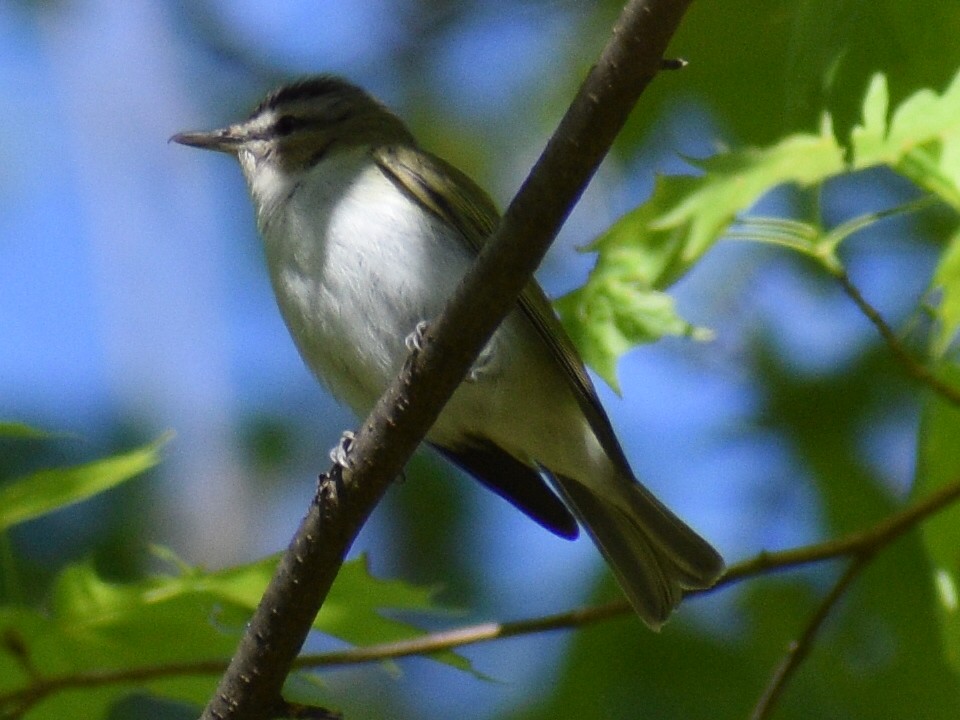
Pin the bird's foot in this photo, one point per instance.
(340, 453)
(414, 341)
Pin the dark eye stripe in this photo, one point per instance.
(286, 124)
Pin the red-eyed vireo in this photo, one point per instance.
(366, 236)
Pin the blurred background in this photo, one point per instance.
(134, 300)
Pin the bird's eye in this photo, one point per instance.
(285, 125)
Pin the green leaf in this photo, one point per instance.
(351, 612)
(647, 250)
(921, 140)
(48, 490)
(733, 181)
(190, 617)
(352, 609)
(622, 304)
(609, 319)
(869, 139)
(938, 464)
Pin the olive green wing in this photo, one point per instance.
(457, 200)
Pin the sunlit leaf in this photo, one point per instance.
(186, 618)
(622, 304)
(947, 279)
(921, 139)
(765, 68)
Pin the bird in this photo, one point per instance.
(366, 235)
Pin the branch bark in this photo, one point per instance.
(251, 687)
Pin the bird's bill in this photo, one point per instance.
(224, 140)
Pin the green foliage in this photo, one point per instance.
(876, 658)
(623, 304)
(882, 629)
(921, 139)
(168, 634)
(947, 278)
(173, 634)
(767, 68)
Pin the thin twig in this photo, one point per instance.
(858, 544)
(800, 648)
(863, 546)
(918, 370)
(882, 533)
(468, 635)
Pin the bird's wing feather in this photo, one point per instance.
(514, 481)
(453, 197)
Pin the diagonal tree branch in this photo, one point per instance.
(250, 689)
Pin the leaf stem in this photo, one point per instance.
(916, 369)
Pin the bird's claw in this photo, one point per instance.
(483, 365)
(340, 453)
(414, 341)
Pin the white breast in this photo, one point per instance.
(355, 265)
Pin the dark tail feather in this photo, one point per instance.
(654, 555)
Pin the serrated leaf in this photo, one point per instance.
(189, 617)
(734, 181)
(353, 608)
(352, 611)
(921, 140)
(45, 491)
(622, 304)
(606, 321)
(869, 139)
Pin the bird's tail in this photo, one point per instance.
(654, 555)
